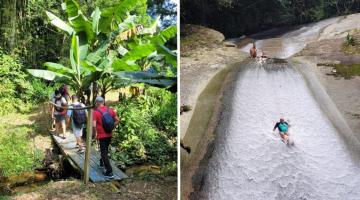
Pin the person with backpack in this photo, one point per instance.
(58, 112)
(105, 120)
(78, 119)
(64, 91)
(283, 129)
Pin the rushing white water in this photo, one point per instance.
(249, 160)
(291, 42)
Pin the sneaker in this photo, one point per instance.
(109, 175)
(81, 151)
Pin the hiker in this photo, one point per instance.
(64, 90)
(58, 113)
(105, 120)
(253, 51)
(78, 119)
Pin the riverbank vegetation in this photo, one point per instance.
(248, 16)
(350, 46)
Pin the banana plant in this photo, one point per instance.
(109, 42)
(79, 75)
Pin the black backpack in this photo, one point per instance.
(108, 122)
(79, 116)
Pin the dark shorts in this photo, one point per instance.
(59, 118)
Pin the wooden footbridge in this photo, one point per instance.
(87, 162)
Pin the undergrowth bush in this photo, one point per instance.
(147, 129)
(18, 91)
(17, 154)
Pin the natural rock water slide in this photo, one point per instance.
(250, 162)
(247, 160)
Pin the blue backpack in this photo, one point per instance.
(108, 122)
(283, 127)
(79, 116)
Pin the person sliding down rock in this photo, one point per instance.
(283, 129)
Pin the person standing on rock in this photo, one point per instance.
(105, 120)
(253, 51)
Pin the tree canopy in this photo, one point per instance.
(250, 16)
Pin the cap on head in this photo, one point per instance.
(99, 100)
(282, 120)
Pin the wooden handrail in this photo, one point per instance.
(69, 108)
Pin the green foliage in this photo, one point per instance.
(350, 41)
(5, 198)
(249, 16)
(17, 91)
(112, 40)
(343, 70)
(170, 169)
(165, 115)
(17, 154)
(40, 92)
(347, 71)
(13, 85)
(147, 130)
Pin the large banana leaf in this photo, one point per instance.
(81, 24)
(127, 6)
(147, 78)
(121, 65)
(45, 74)
(54, 20)
(119, 13)
(140, 51)
(152, 29)
(170, 56)
(95, 20)
(74, 53)
(86, 65)
(105, 21)
(165, 35)
(71, 7)
(58, 68)
(99, 52)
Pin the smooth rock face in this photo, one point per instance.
(229, 44)
(250, 161)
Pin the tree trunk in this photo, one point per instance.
(95, 89)
(8, 17)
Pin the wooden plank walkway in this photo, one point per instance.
(68, 148)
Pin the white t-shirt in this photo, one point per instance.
(77, 131)
(60, 102)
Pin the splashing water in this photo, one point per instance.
(251, 162)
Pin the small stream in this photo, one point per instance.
(249, 160)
